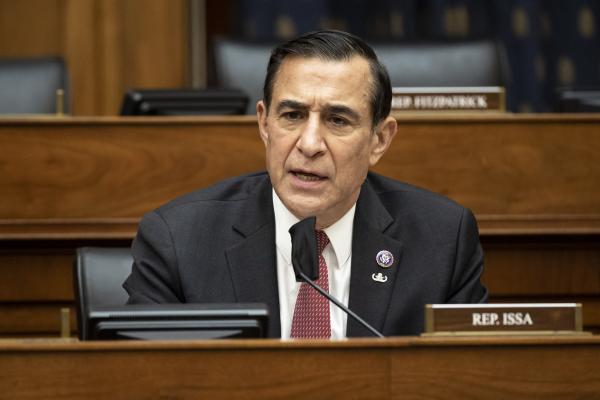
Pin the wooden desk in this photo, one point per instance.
(532, 181)
(402, 368)
(94, 178)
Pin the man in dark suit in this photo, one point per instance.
(388, 248)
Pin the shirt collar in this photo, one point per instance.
(340, 233)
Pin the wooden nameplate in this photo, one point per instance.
(449, 99)
(503, 319)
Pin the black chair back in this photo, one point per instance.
(28, 86)
(99, 273)
(243, 65)
(444, 64)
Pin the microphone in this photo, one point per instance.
(305, 258)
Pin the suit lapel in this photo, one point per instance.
(252, 260)
(369, 297)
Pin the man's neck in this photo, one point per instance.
(324, 219)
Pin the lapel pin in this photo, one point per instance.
(379, 277)
(384, 259)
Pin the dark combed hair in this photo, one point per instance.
(332, 45)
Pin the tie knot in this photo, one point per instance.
(322, 241)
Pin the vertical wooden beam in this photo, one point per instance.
(198, 43)
(109, 45)
(81, 54)
(30, 28)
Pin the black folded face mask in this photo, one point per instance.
(304, 249)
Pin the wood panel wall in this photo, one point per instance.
(109, 46)
(532, 182)
(483, 368)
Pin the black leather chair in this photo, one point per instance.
(578, 100)
(243, 65)
(474, 63)
(99, 273)
(28, 86)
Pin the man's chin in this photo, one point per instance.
(304, 206)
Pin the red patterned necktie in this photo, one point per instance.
(311, 314)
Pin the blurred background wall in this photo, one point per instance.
(114, 45)
(108, 45)
(548, 43)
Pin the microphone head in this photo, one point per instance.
(304, 249)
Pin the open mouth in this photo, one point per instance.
(307, 177)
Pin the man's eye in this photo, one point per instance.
(292, 115)
(338, 121)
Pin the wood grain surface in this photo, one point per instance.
(402, 368)
(517, 173)
(66, 182)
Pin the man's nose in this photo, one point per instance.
(311, 142)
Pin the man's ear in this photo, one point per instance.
(261, 113)
(382, 138)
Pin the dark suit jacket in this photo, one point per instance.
(218, 245)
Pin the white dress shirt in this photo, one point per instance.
(338, 256)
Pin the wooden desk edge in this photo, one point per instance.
(25, 345)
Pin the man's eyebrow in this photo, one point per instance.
(345, 110)
(294, 105)
(331, 109)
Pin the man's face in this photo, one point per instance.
(319, 135)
